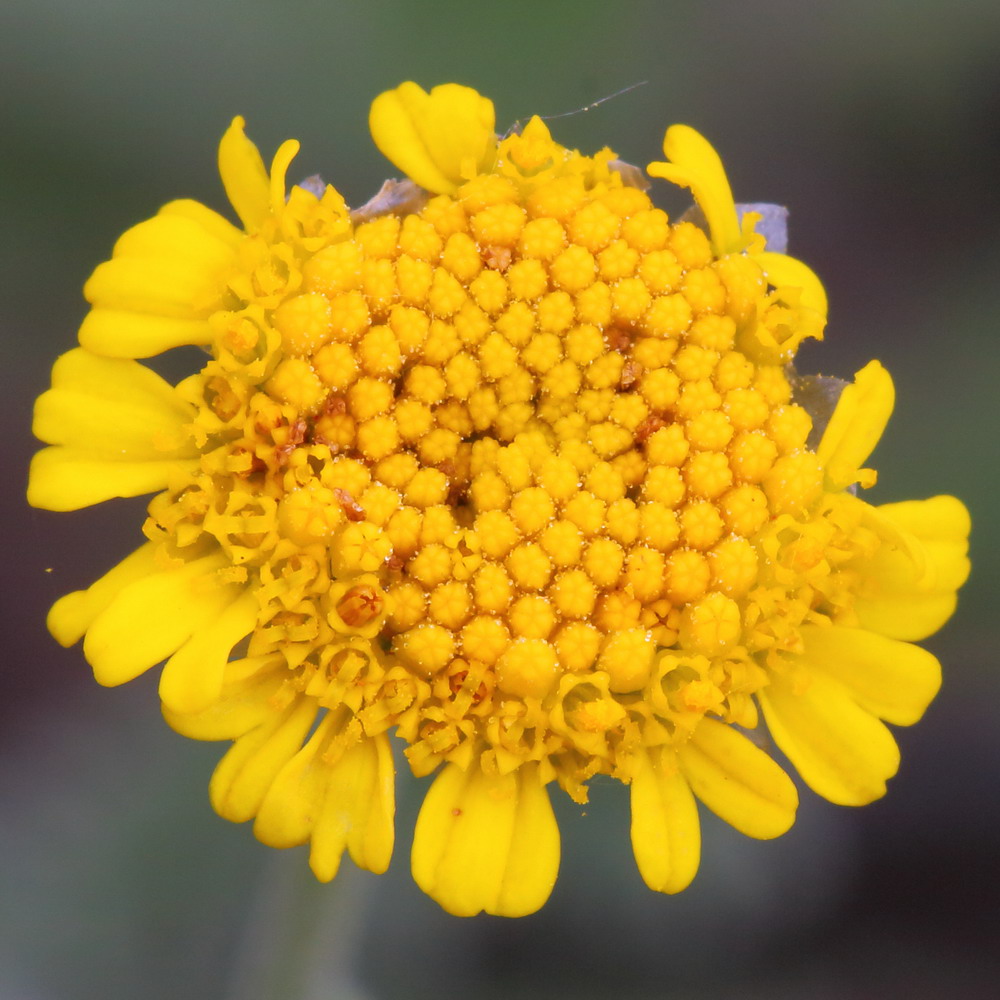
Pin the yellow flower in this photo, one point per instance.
(512, 465)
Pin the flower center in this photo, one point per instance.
(497, 462)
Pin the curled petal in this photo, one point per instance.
(438, 139)
(695, 164)
(858, 421)
(839, 748)
(789, 275)
(244, 176)
(666, 833)
(287, 152)
(738, 781)
(485, 842)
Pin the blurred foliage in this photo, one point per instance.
(874, 123)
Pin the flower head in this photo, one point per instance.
(510, 464)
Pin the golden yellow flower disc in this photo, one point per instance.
(513, 465)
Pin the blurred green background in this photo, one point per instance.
(876, 123)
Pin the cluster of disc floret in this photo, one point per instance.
(508, 472)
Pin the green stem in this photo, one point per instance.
(301, 935)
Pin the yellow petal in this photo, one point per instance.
(117, 333)
(199, 248)
(666, 834)
(695, 164)
(175, 236)
(241, 779)
(907, 618)
(799, 285)
(784, 271)
(358, 810)
(438, 139)
(900, 557)
(738, 781)
(120, 431)
(287, 152)
(152, 617)
(164, 286)
(68, 479)
(294, 799)
(939, 529)
(245, 701)
(112, 407)
(192, 678)
(857, 423)
(72, 615)
(115, 380)
(907, 588)
(221, 228)
(485, 842)
(841, 750)
(940, 518)
(894, 680)
(244, 176)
